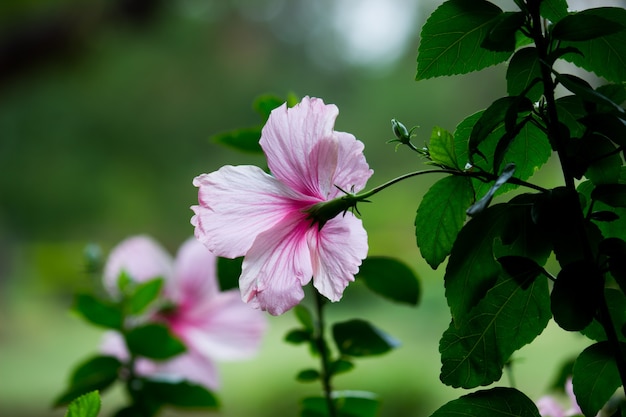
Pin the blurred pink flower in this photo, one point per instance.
(549, 407)
(213, 325)
(243, 211)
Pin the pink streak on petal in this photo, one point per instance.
(337, 252)
(300, 145)
(141, 257)
(236, 205)
(195, 275)
(352, 170)
(277, 266)
(225, 329)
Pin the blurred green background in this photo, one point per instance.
(106, 109)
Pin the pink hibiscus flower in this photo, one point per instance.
(288, 225)
(213, 325)
(549, 407)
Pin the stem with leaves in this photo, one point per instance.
(322, 348)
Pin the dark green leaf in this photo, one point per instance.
(523, 270)
(451, 38)
(244, 140)
(390, 278)
(613, 195)
(340, 366)
(616, 303)
(304, 316)
(570, 109)
(180, 394)
(440, 216)
(576, 295)
(584, 27)
(523, 71)
(489, 120)
(228, 272)
(347, 404)
(614, 92)
(604, 163)
(360, 338)
(144, 294)
(553, 10)
(495, 402)
(308, 375)
(606, 56)
(265, 103)
(153, 341)
(297, 336)
(98, 312)
(87, 405)
(95, 374)
(441, 148)
(502, 35)
(582, 89)
(595, 377)
(476, 347)
(483, 203)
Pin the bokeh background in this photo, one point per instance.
(106, 110)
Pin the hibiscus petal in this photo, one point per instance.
(225, 328)
(352, 170)
(337, 252)
(300, 146)
(141, 257)
(236, 205)
(195, 275)
(277, 266)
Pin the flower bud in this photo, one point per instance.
(400, 131)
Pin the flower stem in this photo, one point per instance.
(322, 347)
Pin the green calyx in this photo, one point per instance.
(320, 213)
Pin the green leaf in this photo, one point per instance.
(606, 55)
(523, 270)
(390, 278)
(87, 405)
(616, 303)
(476, 347)
(576, 295)
(440, 216)
(523, 72)
(297, 336)
(341, 366)
(347, 404)
(613, 195)
(495, 402)
(484, 202)
(228, 272)
(95, 374)
(308, 375)
(451, 38)
(604, 163)
(441, 148)
(144, 294)
(595, 377)
(244, 140)
(180, 394)
(154, 341)
(582, 89)
(98, 312)
(553, 10)
(304, 316)
(492, 118)
(584, 27)
(360, 338)
(502, 35)
(264, 104)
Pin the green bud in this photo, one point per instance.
(400, 131)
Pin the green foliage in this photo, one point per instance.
(153, 341)
(228, 272)
(98, 312)
(95, 374)
(359, 338)
(595, 377)
(441, 149)
(179, 394)
(143, 295)
(87, 405)
(440, 217)
(347, 403)
(391, 279)
(504, 402)
(451, 39)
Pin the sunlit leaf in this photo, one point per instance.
(144, 294)
(451, 38)
(441, 148)
(359, 338)
(553, 10)
(495, 402)
(390, 278)
(440, 217)
(87, 405)
(476, 347)
(595, 377)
